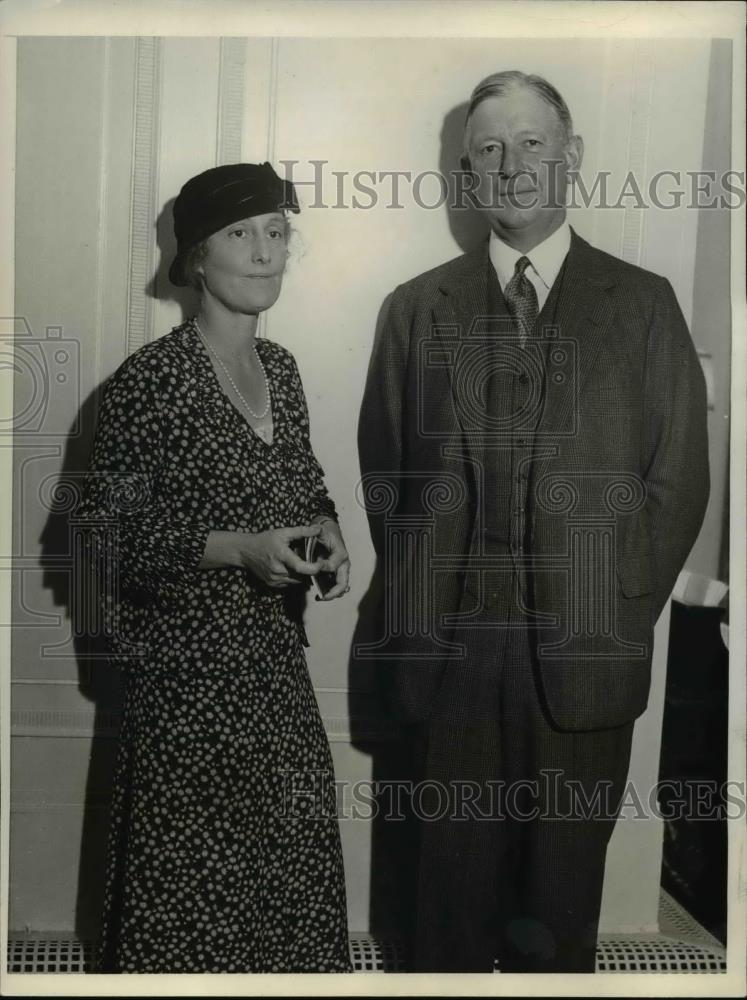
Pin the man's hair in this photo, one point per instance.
(499, 84)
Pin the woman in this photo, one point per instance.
(224, 852)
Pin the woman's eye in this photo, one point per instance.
(275, 234)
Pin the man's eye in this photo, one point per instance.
(276, 234)
(238, 232)
(489, 148)
(533, 142)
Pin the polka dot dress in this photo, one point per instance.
(224, 849)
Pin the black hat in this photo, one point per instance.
(221, 195)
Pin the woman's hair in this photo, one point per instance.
(499, 84)
(197, 254)
(295, 243)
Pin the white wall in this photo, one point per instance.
(131, 121)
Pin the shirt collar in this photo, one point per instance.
(546, 258)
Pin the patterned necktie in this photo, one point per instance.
(521, 299)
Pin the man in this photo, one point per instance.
(538, 412)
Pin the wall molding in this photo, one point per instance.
(57, 724)
(142, 250)
(272, 96)
(232, 66)
(74, 682)
(631, 248)
(103, 234)
(271, 117)
(37, 800)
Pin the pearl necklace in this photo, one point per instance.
(257, 416)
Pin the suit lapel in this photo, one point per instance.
(462, 298)
(464, 289)
(583, 318)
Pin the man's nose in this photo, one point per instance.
(510, 161)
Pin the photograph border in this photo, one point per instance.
(411, 18)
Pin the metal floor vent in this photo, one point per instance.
(656, 954)
(682, 945)
(47, 953)
(615, 953)
(370, 954)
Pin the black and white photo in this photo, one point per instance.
(374, 437)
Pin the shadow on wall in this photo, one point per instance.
(467, 225)
(99, 682)
(159, 287)
(396, 753)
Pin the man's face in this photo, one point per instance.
(519, 151)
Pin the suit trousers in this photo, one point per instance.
(514, 816)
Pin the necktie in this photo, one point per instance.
(521, 299)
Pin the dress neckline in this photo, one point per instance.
(227, 404)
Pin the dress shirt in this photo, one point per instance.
(546, 260)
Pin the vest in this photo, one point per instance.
(515, 401)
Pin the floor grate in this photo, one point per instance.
(681, 946)
(32, 953)
(656, 954)
(675, 922)
(369, 954)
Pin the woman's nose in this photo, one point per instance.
(261, 251)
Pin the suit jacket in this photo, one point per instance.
(622, 441)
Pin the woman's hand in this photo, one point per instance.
(267, 554)
(338, 561)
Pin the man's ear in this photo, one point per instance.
(464, 163)
(574, 153)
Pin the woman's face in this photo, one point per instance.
(244, 264)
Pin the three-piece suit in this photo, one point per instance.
(540, 499)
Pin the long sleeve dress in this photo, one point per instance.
(224, 849)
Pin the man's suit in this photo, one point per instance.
(608, 446)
